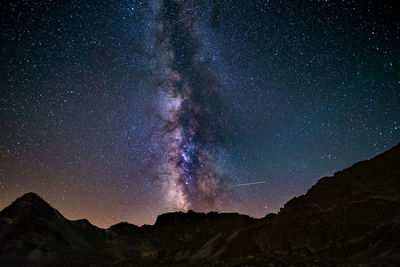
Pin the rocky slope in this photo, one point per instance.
(352, 217)
(32, 231)
(355, 213)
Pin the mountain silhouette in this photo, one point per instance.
(350, 218)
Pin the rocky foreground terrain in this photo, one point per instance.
(350, 219)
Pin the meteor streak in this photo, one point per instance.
(252, 183)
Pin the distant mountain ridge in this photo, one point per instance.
(352, 217)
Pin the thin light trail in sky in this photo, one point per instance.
(252, 183)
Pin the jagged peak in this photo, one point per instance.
(31, 205)
(31, 199)
(31, 195)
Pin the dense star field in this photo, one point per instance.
(122, 110)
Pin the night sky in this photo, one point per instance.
(122, 110)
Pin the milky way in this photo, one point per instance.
(191, 109)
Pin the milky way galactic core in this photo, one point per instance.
(191, 110)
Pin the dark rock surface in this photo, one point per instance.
(355, 213)
(351, 218)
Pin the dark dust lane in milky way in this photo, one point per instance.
(192, 111)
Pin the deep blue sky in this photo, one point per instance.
(279, 92)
